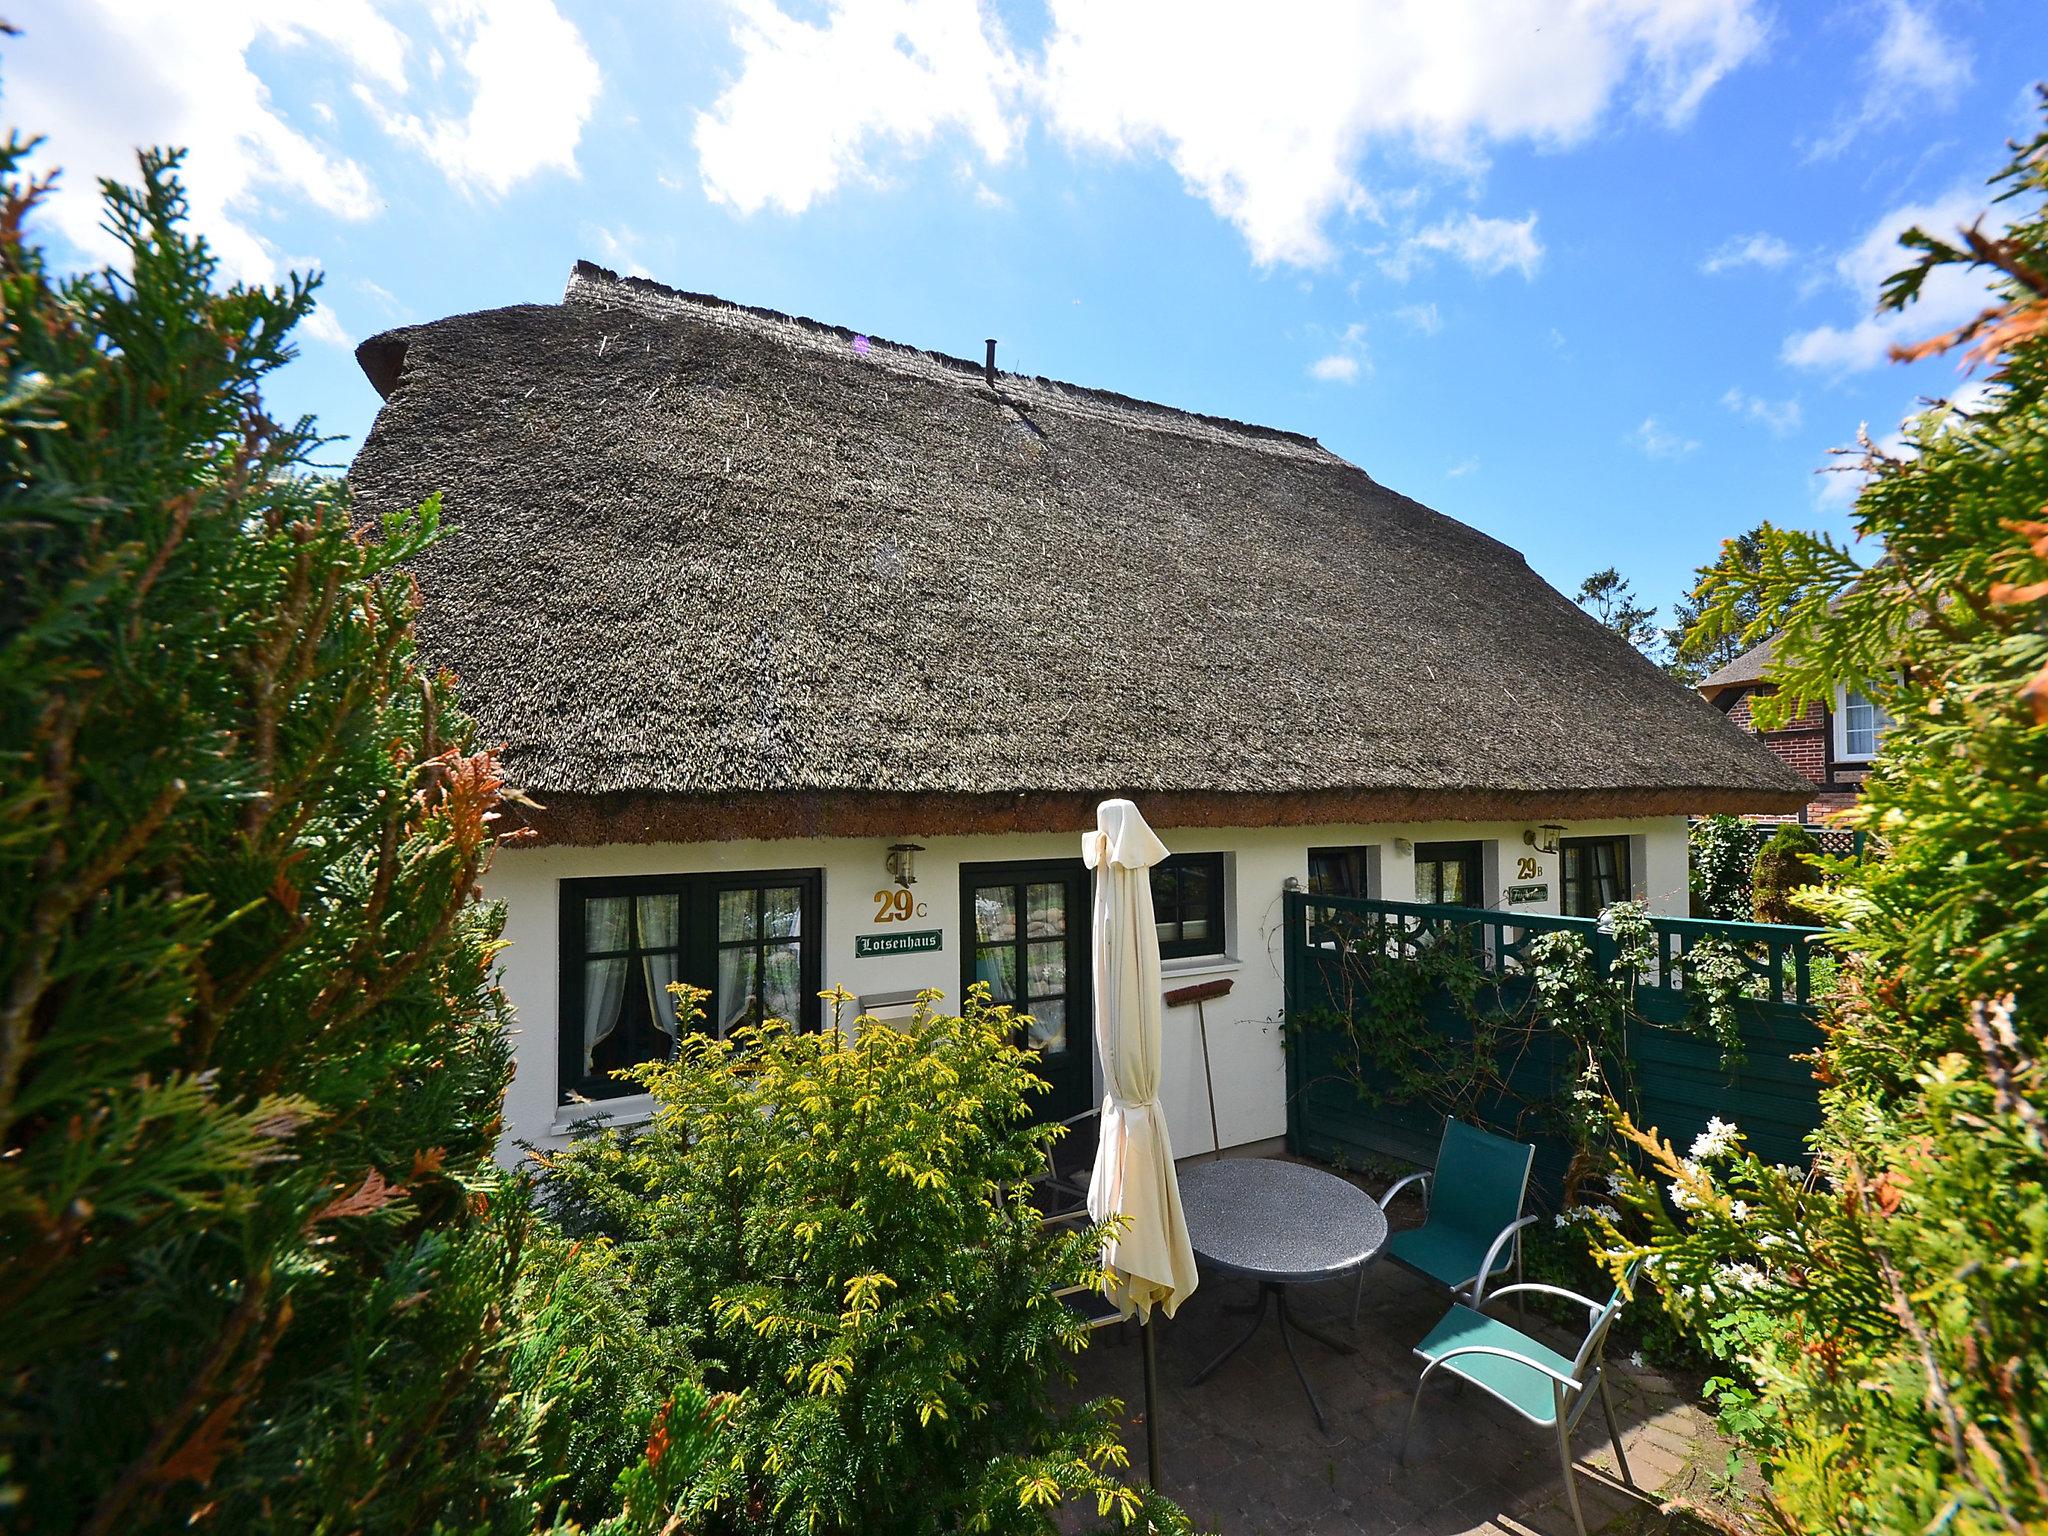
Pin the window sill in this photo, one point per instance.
(628, 1110)
(1193, 965)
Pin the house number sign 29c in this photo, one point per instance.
(895, 904)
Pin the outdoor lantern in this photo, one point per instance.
(1544, 838)
(899, 863)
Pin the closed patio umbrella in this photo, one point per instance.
(1149, 1262)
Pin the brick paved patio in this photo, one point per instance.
(1243, 1455)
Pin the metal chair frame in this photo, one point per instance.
(1473, 1286)
(1570, 1395)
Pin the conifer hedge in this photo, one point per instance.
(1888, 1303)
(256, 1268)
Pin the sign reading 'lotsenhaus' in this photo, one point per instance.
(869, 944)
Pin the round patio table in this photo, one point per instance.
(1280, 1224)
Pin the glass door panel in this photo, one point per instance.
(1029, 944)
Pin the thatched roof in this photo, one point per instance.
(707, 553)
(1745, 669)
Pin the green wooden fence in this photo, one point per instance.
(1679, 1075)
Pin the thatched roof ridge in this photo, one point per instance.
(710, 551)
(601, 287)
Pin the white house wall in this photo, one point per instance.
(1244, 1028)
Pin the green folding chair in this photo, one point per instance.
(1543, 1386)
(1471, 1213)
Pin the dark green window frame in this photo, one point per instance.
(1469, 857)
(692, 954)
(1187, 905)
(1593, 873)
(1340, 871)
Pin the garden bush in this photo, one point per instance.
(1723, 854)
(1788, 862)
(1887, 1306)
(837, 1231)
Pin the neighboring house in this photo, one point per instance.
(1830, 747)
(816, 653)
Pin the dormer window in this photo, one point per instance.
(1860, 724)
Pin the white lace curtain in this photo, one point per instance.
(606, 925)
(660, 920)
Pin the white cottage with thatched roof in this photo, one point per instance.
(754, 604)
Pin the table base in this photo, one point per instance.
(1273, 1291)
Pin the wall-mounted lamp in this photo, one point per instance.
(1403, 847)
(900, 863)
(1544, 838)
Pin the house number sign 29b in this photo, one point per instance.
(895, 904)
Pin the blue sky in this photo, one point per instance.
(1595, 276)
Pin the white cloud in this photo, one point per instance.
(382, 297)
(1344, 365)
(323, 325)
(1462, 468)
(1780, 417)
(1488, 246)
(1423, 319)
(533, 86)
(1758, 250)
(1660, 442)
(1950, 295)
(618, 249)
(101, 77)
(1268, 116)
(1843, 479)
(811, 103)
(1912, 66)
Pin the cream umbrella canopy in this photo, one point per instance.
(1149, 1261)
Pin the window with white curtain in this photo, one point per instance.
(749, 940)
(1860, 724)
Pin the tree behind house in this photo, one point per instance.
(1609, 597)
(1699, 645)
(252, 1271)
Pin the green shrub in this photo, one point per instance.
(835, 1229)
(1888, 1306)
(1787, 863)
(1723, 852)
(257, 1269)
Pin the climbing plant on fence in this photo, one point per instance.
(1399, 1014)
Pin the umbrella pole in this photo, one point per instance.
(1151, 1405)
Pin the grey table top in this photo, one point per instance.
(1284, 1222)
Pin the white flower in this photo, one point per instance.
(1738, 1210)
(1616, 1185)
(1744, 1277)
(1579, 1214)
(1718, 1140)
(1681, 1196)
(1635, 1358)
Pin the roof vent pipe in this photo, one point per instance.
(988, 368)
